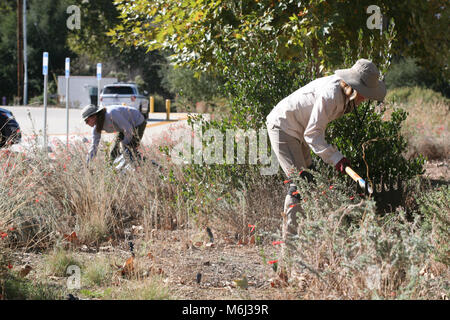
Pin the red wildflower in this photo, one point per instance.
(251, 226)
(3, 235)
(272, 261)
(277, 242)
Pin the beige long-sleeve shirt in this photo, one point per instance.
(305, 114)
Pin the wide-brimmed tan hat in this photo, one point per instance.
(364, 78)
(89, 110)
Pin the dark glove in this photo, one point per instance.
(342, 164)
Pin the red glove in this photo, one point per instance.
(340, 166)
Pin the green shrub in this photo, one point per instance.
(257, 81)
(405, 73)
(15, 288)
(412, 95)
(191, 87)
(375, 147)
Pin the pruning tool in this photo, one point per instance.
(357, 178)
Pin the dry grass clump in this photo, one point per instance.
(240, 211)
(345, 250)
(45, 199)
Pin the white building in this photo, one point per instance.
(79, 87)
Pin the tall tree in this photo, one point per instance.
(8, 50)
(196, 30)
(98, 17)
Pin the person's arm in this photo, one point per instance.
(314, 134)
(94, 145)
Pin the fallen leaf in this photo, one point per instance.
(150, 255)
(252, 240)
(159, 271)
(242, 242)
(71, 237)
(275, 283)
(128, 267)
(25, 271)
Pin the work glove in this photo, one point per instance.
(342, 164)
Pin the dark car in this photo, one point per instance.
(10, 129)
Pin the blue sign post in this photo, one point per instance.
(67, 101)
(99, 79)
(45, 73)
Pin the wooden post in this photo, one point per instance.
(167, 109)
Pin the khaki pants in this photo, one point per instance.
(293, 155)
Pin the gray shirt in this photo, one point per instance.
(117, 119)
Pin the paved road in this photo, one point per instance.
(31, 121)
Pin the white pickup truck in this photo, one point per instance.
(125, 94)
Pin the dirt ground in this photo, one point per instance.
(194, 268)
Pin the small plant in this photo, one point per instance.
(435, 207)
(15, 288)
(147, 289)
(98, 272)
(57, 261)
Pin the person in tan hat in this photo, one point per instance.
(297, 124)
(128, 122)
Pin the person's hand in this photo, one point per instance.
(342, 164)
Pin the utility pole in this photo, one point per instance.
(19, 49)
(25, 56)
